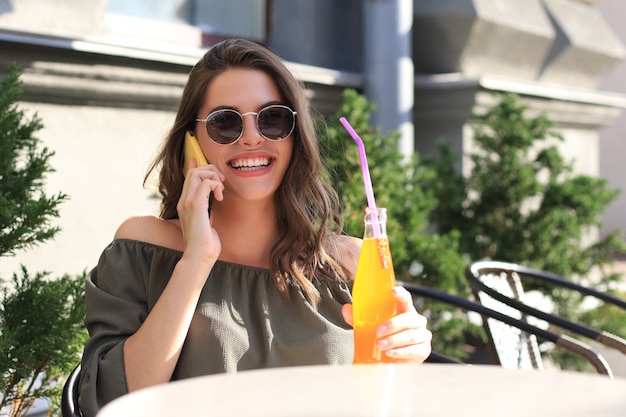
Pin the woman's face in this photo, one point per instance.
(253, 166)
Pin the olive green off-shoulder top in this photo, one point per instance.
(241, 322)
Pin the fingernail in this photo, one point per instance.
(382, 330)
(383, 344)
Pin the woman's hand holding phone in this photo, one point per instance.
(192, 149)
(202, 184)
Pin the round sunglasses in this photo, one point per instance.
(274, 122)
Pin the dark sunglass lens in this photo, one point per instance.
(276, 122)
(224, 126)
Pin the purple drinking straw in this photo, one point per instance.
(369, 191)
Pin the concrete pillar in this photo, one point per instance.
(388, 66)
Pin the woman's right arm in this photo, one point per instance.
(124, 291)
(151, 354)
(134, 284)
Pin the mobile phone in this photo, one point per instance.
(191, 148)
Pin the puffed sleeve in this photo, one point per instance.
(119, 294)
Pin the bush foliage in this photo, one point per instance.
(521, 201)
(41, 333)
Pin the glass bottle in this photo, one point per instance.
(372, 299)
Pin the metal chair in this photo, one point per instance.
(69, 397)
(502, 350)
(499, 285)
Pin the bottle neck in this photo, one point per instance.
(375, 223)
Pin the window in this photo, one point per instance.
(199, 22)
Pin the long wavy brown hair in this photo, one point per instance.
(308, 207)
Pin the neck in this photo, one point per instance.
(247, 232)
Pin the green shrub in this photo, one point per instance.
(41, 337)
(523, 203)
(41, 332)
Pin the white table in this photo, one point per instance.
(430, 390)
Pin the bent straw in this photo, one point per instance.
(369, 191)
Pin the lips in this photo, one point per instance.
(250, 164)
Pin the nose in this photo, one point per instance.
(251, 135)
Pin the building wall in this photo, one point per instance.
(101, 156)
(104, 117)
(613, 136)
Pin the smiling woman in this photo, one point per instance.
(264, 280)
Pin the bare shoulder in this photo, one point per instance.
(349, 251)
(151, 229)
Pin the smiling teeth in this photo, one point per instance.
(250, 163)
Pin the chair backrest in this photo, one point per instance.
(485, 267)
(501, 284)
(69, 397)
(516, 348)
(512, 348)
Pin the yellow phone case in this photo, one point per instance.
(192, 149)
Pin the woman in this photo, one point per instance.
(264, 281)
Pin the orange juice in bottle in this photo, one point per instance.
(372, 300)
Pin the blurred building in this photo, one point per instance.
(613, 135)
(105, 77)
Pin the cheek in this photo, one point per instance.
(211, 150)
(288, 154)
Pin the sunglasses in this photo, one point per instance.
(274, 122)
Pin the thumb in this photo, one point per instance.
(346, 311)
(403, 298)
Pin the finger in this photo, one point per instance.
(204, 179)
(404, 321)
(193, 163)
(188, 165)
(406, 315)
(197, 190)
(346, 311)
(202, 170)
(404, 299)
(206, 191)
(404, 338)
(218, 189)
(415, 352)
(407, 344)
